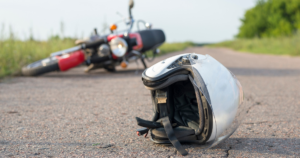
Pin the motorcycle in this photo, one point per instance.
(108, 51)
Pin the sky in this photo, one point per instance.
(199, 21)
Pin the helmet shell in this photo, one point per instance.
(220, 87)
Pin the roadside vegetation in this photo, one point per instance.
(173, 47)
(277, 46)
(270, 27)
(14, 53)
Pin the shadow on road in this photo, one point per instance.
(79, 73)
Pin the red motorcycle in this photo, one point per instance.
(108, 51)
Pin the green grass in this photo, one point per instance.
(277, 46)
(14, 54)
(172, 47)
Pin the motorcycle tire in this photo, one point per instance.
(40, 67)
(110, 68)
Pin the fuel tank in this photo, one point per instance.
(68, 61)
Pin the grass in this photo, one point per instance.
(14, 54)
(277, 46)
(172, 47)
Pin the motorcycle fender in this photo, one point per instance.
(139, 41)
(67, 61)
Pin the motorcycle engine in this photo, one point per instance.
(103, 50)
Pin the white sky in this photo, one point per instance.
(181, 20)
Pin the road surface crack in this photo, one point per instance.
(256, 103)
(227, 151)
(252, 123)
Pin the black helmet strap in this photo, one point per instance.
(161, 98)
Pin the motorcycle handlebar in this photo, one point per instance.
(94, 43)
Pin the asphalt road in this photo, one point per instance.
(64, 114)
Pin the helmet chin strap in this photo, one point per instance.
(161, 98)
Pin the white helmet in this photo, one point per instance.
(196, 100)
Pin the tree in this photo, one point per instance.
(271, 18)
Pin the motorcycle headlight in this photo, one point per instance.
(118, 46)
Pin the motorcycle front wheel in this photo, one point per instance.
(40, 67)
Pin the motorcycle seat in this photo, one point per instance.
(152, 38)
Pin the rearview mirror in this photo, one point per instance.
(131, 4)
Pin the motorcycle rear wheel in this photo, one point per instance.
(40, 67)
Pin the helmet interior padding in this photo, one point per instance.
(183, 111)
(188, 113)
